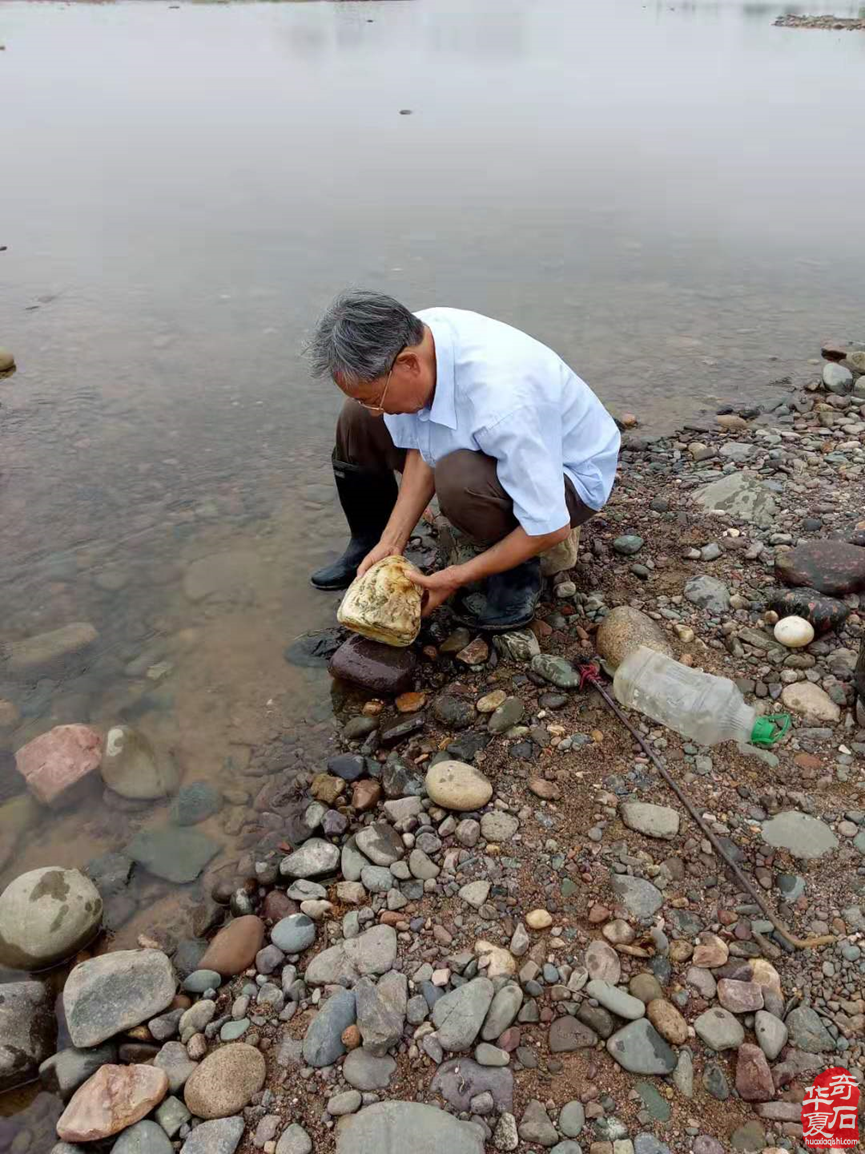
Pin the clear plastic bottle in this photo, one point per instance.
(699, 706)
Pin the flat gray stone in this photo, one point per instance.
(497, 826)
(315, 858)
(807, 1031)
(293, 934)
(221, 1136)
(719, 1029)
(461, 1079)
(380, 843)
(639, 897)
(640, 1049)
(567, 1035)
(348, 1102)
(649, 1144)
(502, 1012)
(200, 980)
(459, 1015)
(176, 1063)
(708, 593)
(652, 820)
(143, 1138)
(364, 1071)
(475, 893)
(398, 1127)
(381, 1011)
(171, 1114)
(572, 1119)
(377, 879)
(771, 1034)
(323, 1042)
(372, 952)
(536, 1127)
(602, 962)
(743, 497)
(114, 992)
(175, 855)
(556, 670)
(804, 836)
(615, 1000)
(294, 1140)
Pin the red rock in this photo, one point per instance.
(833, 351)
(55, 762)
(379, 668)
(278, 905)
(740, 997)
(234, 948)
(808, 761)
(510, 1039)
(114, 1098)
(710, 952)
(390, 918)
(365, 794)
(753, 1076)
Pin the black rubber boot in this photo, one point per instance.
(508, 600)
(367, 498)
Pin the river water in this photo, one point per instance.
(669, 194)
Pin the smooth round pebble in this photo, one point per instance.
(794, 632)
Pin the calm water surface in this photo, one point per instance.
(668, 194)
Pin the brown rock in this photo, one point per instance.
(740, 997)
(365, 794)
(667, 1021)
(225, 1081)
(548, 790)
(567, 1035)
(384, 604)
(379, 668)
(625, 629)
(351, 1037)
(753, 1076)
(234, 948)
(278, 905)
(732, 422)
(410, 702)
(54, 763)
(112, 1099)
(598, 914)
(680, 950)
(832, 567)
(326, 788)
(476, 652)
(711, 951)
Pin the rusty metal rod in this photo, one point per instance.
(591, 675)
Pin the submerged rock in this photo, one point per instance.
(379, 668)
(45, 648)
(176, 856)
(131, 768)
(28, 1031)
(46, 916)
(384, 604)
(56, 764)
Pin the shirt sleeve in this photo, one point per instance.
(527, 447)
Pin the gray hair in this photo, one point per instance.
(361, 335)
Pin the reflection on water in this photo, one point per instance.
(644, 186)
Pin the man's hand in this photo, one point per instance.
(382, 549)
(437, 587)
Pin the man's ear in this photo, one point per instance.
(409, 361)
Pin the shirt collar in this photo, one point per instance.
(443, 409)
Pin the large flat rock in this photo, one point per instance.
(399, 1127)
(740, 495)
(804, 836)
(105, 995)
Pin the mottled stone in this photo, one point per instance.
(112, 1099)
(374, 666)
(225, 1081)
(57, 764)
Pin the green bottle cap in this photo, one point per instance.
(770, 729)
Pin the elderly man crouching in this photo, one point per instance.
(517, 448)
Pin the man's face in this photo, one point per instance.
(406, 389)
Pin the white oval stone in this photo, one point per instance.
(457, 785)
(794, 632)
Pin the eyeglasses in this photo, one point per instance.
(378, 409)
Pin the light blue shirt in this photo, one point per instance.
(505, 394)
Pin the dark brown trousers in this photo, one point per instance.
(466, 482)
